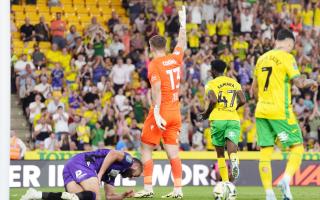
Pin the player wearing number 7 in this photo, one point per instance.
(274, 72)
(164, 120)
(225, 97)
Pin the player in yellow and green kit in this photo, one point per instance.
(274, 72)
(225, 97)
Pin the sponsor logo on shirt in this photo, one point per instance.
(80, 174)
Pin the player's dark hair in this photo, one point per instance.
(284, 34)
(158, 42)
(218, 66)
(139, 163)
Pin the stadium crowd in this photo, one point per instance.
(91, 89)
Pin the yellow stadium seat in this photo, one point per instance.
(63, 2)
(19, 16)
(83, 15)
(55, 9)
(78, 2)
(43, 9)
(42, 2)
(44, 45)
(85, 19)
(82, 10)
(95, 11)
(17, 43)
(17, 8)
(15, 35)
(116, 2)
(29, 8)
(72, 19)
(69, 11)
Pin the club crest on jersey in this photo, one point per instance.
(176, 53)
(169, 62)
(128, 158)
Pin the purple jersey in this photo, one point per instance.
(86, 165)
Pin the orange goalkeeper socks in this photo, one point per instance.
(176, 167)
(147, 171)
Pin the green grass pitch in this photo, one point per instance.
(204, 193)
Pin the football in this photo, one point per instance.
(225, 191)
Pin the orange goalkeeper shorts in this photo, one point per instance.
(151, 134)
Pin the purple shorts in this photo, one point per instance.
(78, 170)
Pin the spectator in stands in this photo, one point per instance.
(41, 131)
(186, 128)
(38, 57)
(94, 28)
(21, 64)
(27, 31)
(83, 134)
(64, 143)
(60, 118)
(97, 135)
(42, 30)
(247, 16)
(113, 20)
(58, 28)
(51, 143)
(57, 75)
(43, 87)
(54, 3)
(71, 37)
(55, 104)
(119, 75)
(17, 147)
(116, 46)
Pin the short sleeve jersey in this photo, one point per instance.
(168, 70)
(225, 89)
(114, 170)
(273, 73)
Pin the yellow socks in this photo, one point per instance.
(294, 161)
(223, 169)
(265, 167)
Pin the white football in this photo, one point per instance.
(231, 191)
(220, 191)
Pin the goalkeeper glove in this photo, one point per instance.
(182, 17)
(161, 123)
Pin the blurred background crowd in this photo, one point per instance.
(85, 87)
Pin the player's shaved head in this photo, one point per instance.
(158, 42)
(218, 66)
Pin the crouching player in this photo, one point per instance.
(83, 173)
(225, 97)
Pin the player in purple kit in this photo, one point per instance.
(83, 173)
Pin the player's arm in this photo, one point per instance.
(302, 83)
(112, 195)
(212, 98)
(156, 102)
(181, 43)
(241, 99)
(254, 89)
(113, 156)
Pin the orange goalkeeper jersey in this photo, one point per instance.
(168, 70)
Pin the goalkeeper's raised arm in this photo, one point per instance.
(182, 32)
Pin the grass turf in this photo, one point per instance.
(203, 193)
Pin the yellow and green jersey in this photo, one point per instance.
(273, 73)
(225, 89)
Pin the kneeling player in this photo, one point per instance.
(82, 175)
(222, 93)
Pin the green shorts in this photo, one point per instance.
(268, 130)
(224, 129)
